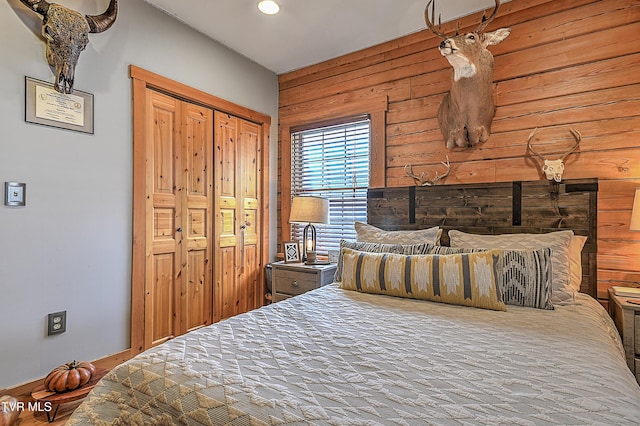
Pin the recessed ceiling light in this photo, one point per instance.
(268, 7)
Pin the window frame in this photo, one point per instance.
(375, 108)
(322, 145)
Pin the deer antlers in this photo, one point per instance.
(421, 180)
(437, 31)
(576, 135)
(429, 22)
(553, 169)
(486, 21)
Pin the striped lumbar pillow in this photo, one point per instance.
(526, 275)
(468, 279)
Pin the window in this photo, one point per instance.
(333, 162)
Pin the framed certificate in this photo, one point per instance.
(44, 105)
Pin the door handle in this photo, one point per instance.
(242, 236)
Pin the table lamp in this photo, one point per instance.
(635, 212)
(309, 210)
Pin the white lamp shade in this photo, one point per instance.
(635, 212)
(309, 210)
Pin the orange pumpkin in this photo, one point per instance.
(9, 411)
(69, 376)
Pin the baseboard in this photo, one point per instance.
(107, 363)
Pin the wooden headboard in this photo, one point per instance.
(496, 208)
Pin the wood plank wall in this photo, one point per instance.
(567, 64)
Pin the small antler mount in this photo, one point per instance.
(422, 180)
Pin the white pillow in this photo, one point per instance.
(575, 259)
(559, 242)
(366, 233)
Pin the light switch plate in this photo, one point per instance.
(15, 194)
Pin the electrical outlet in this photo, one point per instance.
(57, 322)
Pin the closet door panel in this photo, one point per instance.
(226, 278)
(197, 231)
(162, 299)
(197, 302)
(226, 154)
(250, 184)
(227, 269)
(163, 212)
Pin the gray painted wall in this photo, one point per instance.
(70, 247)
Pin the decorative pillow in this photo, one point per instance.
(380, 248)
(370, 234)
(559, 243)
(468, 279)
(526, 275)
(575, 259)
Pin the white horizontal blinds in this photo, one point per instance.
(333, 162)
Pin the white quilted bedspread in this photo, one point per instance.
(335, 357)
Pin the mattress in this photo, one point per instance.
(338, 357)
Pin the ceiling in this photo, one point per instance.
(307, 32)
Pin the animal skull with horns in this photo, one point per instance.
(553, 169)
(66, 32)
(466, 112)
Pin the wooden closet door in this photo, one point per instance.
(197, 205)
(226, 213)
(250, 287)
(164, 156)
(178, 284)
(190, 267)
(237, 215)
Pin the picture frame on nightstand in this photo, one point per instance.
(291, 252)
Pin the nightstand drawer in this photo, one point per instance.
(295, 282)
(297, 278)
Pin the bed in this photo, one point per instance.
(335, 356)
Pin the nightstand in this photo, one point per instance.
(292, 279)
(627, 319)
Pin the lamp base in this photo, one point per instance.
(309, 241)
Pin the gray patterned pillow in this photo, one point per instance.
(422, 248)
(371, 234)
(559, 241)
(526, 275)
(527, 278)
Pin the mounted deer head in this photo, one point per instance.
(422, 179)
(66, 32)
(466, 112)
(554, 169)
